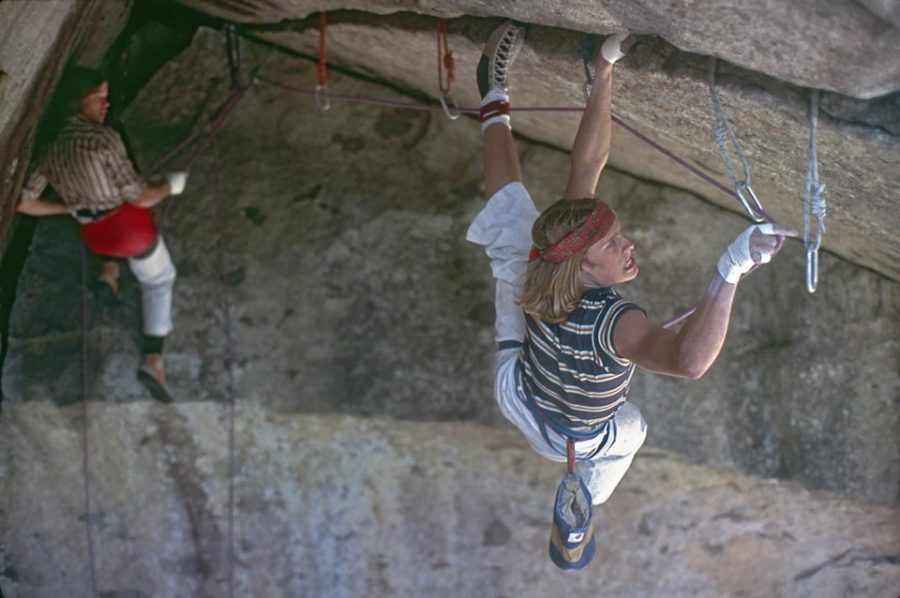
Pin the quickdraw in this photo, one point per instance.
(445, 72)
(813, 202)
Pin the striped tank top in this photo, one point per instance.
(571, 370)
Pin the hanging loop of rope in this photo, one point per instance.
(813, 202)
(233, 54)
(445, 71)
(322, 67)
(723, 133)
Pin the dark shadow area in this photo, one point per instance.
(156, 32)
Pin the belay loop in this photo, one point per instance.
(570, 455)
(723, 133)
(322, 67)
(445, 73)
(813, 202)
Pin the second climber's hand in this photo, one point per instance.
(177, 182)
(755, 245)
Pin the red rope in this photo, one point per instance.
(85, 452)
(430, 108)
(322, 67)
(229, 355)
(444, 59)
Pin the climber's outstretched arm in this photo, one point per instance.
(590, 151)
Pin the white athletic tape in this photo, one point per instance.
(177, 182)
(611, 48)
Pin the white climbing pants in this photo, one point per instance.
(503, 227)
(156, 275)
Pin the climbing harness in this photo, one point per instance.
(813, 202)
(322, 100)
(445, 70)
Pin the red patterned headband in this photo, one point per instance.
(592, 230)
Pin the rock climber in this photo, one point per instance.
(87, 165)
(568, 343)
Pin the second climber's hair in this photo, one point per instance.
(75, 84)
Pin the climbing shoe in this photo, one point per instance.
(154, 380)
(105, 293)
(497, 57)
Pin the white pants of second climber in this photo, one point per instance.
(503, 227)
(156, 275)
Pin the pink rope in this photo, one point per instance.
(430, 108)
(85, 452)
(417, 106)
(229, 357)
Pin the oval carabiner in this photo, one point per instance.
(446, 109)
(754, 210)
(322, 100)
(812, 268)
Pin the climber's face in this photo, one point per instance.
(609, 261)
(95, 104)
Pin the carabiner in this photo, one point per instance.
(322, 100)
(812, 268)
(446, 109)
(755, 211)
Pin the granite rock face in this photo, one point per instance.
(662, 93)
(345, 506)
(353, 294)
(845, 46)
(772, 54)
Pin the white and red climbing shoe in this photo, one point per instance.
(497, 57)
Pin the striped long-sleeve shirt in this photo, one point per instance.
(572, 370)
(88, 167)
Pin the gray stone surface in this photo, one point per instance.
(352, 292)
(663, 93)
(344, 506)
(842, 45)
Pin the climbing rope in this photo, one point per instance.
(445, 70)
(322, 98)
(723, 133)
(419, 107)
(813, 202)
(229, 354)
(233, 54)
(85, 450)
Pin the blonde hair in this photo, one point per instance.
(552, 291)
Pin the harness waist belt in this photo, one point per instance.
(125, 231)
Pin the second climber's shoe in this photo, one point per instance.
(154, 380)
(497, 57)
(105, 293)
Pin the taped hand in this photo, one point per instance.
(177, 181)
(756, 245)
